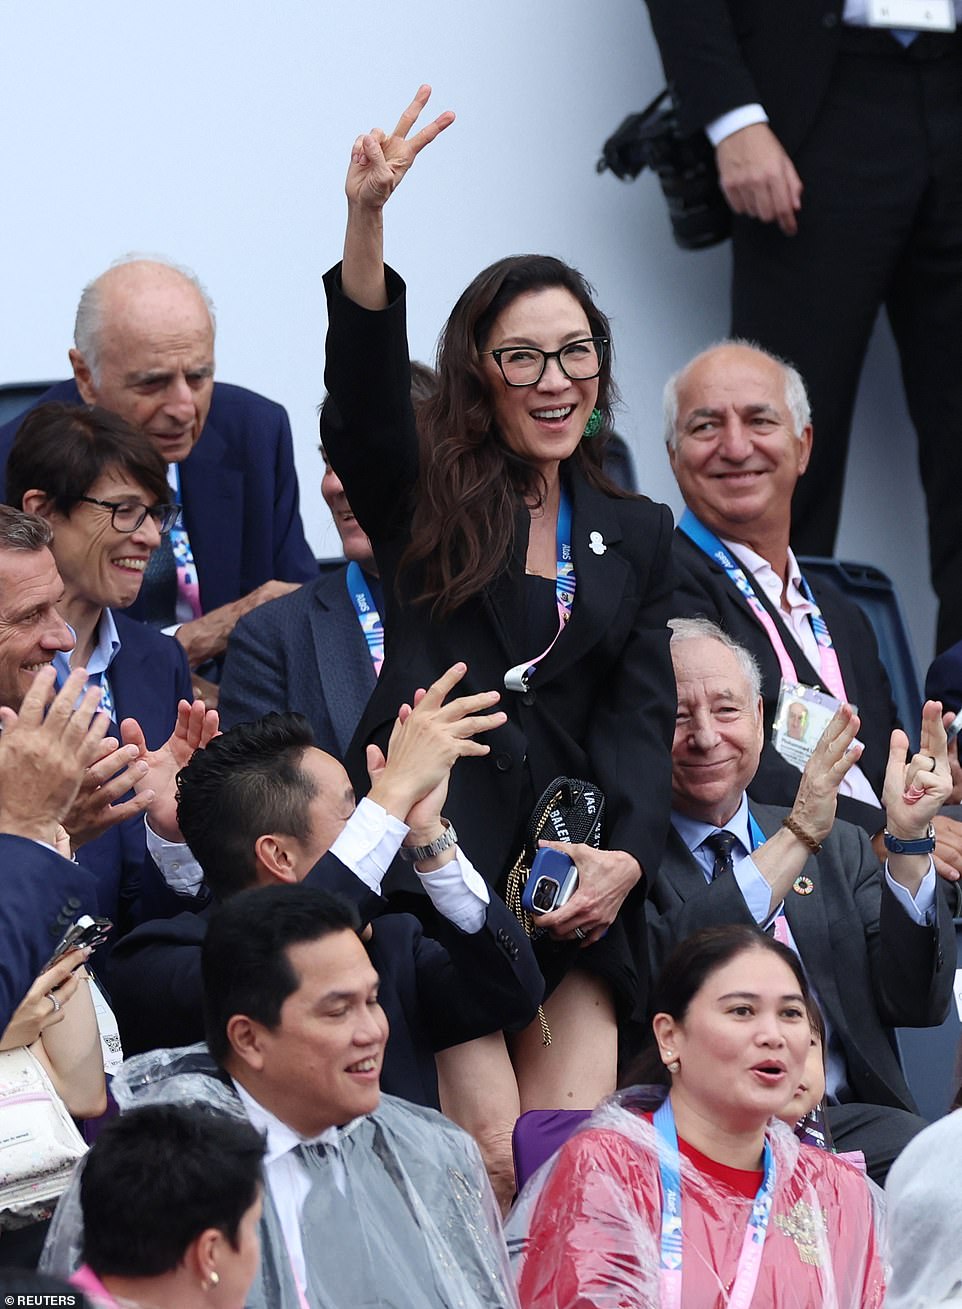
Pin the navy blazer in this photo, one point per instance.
(705, 590)
(304, 651)
(239, 492)
(435, 992)
(41, 895)
(873, 967)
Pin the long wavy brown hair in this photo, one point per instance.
(470, 480)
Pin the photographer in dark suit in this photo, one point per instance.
(839, 148)
(262, 805)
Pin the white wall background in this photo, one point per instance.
(218, 133)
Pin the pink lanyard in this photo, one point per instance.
(828, 665)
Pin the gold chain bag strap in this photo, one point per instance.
(570, 810)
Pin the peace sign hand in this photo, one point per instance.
(378, 161)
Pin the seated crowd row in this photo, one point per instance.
(765, 881)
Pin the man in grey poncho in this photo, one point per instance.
(369, 1200)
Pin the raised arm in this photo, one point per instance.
(378, 162)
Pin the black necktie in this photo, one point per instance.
(721, 842)
(159, 587)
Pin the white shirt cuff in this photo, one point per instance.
(734, 121)
(459, 893)
(172, 630)
(920, 907)
(368, 843)
(178, 867)
(756, 892)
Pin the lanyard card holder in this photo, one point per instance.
(912, 15)
(802, 715)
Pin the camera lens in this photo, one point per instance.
(544, 894)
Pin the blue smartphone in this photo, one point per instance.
(551, 883)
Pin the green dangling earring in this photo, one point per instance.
(593, 425)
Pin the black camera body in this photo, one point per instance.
(684, 165)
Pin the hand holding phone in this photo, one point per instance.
(551, 883)
(86, 933)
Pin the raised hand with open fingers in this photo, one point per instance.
(429, 738)
(196, 726)
(836, 752)
(379, 162)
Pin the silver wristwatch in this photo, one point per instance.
(416, 854)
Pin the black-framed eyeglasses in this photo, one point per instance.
(128, 515)
(523, 365)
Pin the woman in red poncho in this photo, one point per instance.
(696, 1199)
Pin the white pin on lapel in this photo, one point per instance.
(596, 543)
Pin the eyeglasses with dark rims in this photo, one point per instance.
(524, 365)
(128, 515)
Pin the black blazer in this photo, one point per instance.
(435, 993)
(719, 54)
(704, 590)
(601, 704)
(872, 966)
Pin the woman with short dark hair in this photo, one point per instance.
(171, 1201)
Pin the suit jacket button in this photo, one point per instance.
(830, 19)
(503, 763)
(529, 698)
(73, 903)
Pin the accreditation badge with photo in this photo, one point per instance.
(802, 715)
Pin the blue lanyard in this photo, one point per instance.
(367, 614)
(516, 678)
(565, 580)
(758, 837)
(672, 1247)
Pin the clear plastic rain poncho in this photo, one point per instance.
(923, 1196)
(408, 1221)
(586, 1232)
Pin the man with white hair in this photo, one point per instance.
(144, 348)
(739, 434)
(878, 946)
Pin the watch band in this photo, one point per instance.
(416, 854)
(920, 845)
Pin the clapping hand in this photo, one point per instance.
(196, 726)
(817, 796)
